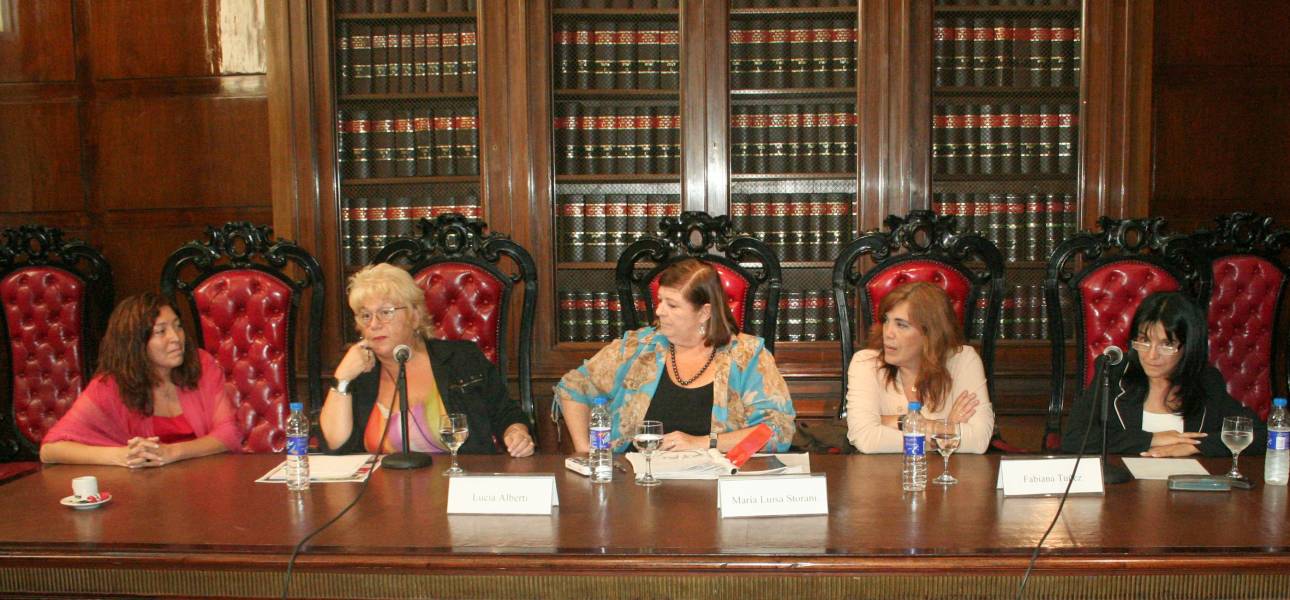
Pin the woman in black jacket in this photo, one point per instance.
(443, 377)
(1166, 400)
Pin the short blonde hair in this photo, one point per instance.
(388, 282)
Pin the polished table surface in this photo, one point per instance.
(209, 515)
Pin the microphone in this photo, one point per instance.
(407, 459)
(1112, 355)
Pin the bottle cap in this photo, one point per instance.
(1279, 402)
(600, 400)
(913, 406)
(295, 406)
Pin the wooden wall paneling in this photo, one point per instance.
(504, 208)
(694, 106)
(716, 122)
(36, 41)
(531, 87)
(40, 157)
(1222, 34)
(1115, 141)
(877, 58)
(167, 152)
(176, 38)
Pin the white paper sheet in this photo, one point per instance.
(1162, 468)
(710, 464)
(325, 468)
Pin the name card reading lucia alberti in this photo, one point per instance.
(772, 495)
(502, 494)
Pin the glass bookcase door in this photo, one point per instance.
(1006, 82)
(792, 67)
(407, 119)
(617, 123)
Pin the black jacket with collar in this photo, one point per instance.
(468, 383)
(1124, 416)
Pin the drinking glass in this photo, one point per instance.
(946, 435)
(1238, 432)
(453, 431)
(649, 436)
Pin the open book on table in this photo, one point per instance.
(711, 464)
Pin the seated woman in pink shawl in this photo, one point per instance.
(155, 400)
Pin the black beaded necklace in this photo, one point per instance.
(671, 351)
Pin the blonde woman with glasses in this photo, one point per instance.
(443, 377)
(1166, 400)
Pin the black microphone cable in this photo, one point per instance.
(1034, 556)
(370, 463)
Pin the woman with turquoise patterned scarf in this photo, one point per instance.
(708, 383)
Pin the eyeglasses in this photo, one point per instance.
(1164, 348)
(383, 315)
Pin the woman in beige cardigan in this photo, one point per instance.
(916, 352)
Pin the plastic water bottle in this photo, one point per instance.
(297, 449)
(602, 458)
(1276, 465)
(914, 476)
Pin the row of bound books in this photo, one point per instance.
(592, 316)
(989, 139)
(596, 139)
(799, 227)
(368, 224)
(1007, 3)
(598, 227)
(400, 6)
(795, 54)
(616, 3)
(1023, 226)
(408, 143)
(1006, 51)
(791, 3)
(407, 58)
(637, 55)
(793, 138)
(804, 316)
(1022, 316)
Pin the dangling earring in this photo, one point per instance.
(703, 329)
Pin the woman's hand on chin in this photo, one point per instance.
(358, 359)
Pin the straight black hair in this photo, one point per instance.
(1184, 324)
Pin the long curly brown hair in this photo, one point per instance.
(931, 311)
(123, 355)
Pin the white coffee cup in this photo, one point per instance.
(85, 487)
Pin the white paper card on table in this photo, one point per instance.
(1162, 468)
(326, 468)
(772, 495)
(499, 494)
(1048, 475)
(712, 464)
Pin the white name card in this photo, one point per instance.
(1048, 475)
(502, 494)
(772, 495)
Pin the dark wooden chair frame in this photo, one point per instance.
(38, 246)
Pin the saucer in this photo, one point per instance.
(79, 504)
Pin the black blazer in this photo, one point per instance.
(1124, 418)
(468, 383)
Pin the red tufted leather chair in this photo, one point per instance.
(696, 235)
(1123, 264)
(468, 295)
(918, 247)
(1245, 298)
(247, 308)
(56, 297)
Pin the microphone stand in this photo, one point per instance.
(1111, 474)
(407, 459)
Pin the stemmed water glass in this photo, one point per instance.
(649, 436)
(453, 431)
(946, 435)
(1238, 432)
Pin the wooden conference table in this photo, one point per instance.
(204, 528)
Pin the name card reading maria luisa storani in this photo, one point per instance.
(772, 495)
